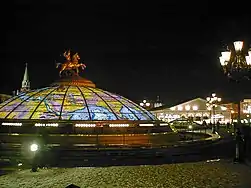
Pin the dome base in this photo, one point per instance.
(74, 80)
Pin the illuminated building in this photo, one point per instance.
(77, 99)
(195, 110)
(74, 105)
(158, 103)
(245, 111)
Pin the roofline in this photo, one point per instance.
(166, 106)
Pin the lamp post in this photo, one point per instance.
(236, 64)
(33, 149)
(212, 103)
(145, 104)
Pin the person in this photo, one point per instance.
(228, 125)
(238, 146)
(235, 126)
(210, 125)
(204, 123)
(218, 125)
(246, 139)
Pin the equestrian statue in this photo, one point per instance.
(71, 64)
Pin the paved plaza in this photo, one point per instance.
(191, 175)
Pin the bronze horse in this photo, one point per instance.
(71, 63)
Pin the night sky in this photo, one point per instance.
(135, 50)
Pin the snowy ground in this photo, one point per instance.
(190, 175)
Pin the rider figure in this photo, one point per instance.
(67, 55)
(71, 63)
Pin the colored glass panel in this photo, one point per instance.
(71, 108)
(44, 115)
(46, 103)
(103, 116)
(4, 114)
(76, 116)
(129, 116)
(19, 115)
(13, 104)
(8, 101)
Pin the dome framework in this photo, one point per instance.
(73, 111)
(72, 103)
(73, 99)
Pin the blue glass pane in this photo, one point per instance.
(76, 116)
(129, 116)
(103, 116)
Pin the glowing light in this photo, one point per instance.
(46, 124)
(187, 107)
(146, 125)
(118, 125)
(195, 107)
(248, 60)
(238, 45)
(180, 108)
(12, 124)
(163, 124)
(190, 126)
(226, 56)
(208, 98)
(213, 160)
(144, 101)
(213, 94)
(232, 111)
(141, 104)
(84, 125)
(223, 108)
(147, 104)
(19, 164)
(172, 108)
(198, 115)
(222, 61)
(34, 147)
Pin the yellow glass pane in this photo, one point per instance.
(3, 114)
(41, 115)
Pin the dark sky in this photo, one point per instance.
(136, 50)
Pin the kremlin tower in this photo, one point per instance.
(25, 83)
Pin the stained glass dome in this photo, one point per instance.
(77, 99)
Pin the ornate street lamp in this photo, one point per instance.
(236, 64)
(212, 103)
(145, 104)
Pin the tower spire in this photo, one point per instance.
(25, 83)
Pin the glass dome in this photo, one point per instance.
(72, 102)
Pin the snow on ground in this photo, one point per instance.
(192, 175)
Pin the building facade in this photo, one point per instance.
(196, 110)
(246, 111)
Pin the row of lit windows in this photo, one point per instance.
(188, 107)
(76, 125)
